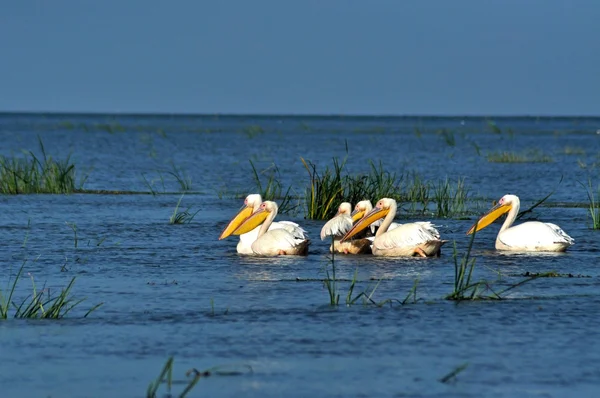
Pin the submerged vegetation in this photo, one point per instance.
(41, 303)
(193, 377)
(533, 156)
(30, 174)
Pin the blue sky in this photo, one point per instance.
(393, 57)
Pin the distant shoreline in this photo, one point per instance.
(288, 115)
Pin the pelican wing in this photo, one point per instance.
(407, 235)
(429, 227)
(532, 234)
(337, 226)
(276, 240)
(296, 230)
(561, 236)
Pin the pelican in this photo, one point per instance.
(272, 242)
(530, 236)
(338, 226)
(364, 207)
(251, 205)
(416, 238)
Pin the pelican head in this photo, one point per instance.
(345, 208)
(251, 205)
(266, 209)
(382, 208)
(363, 207)
(504, 205)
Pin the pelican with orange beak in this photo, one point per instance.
(251, 205)
(272, 242)
(364, 207)
(338, 226)
(530, 236)
(411, 239)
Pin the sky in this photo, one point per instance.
(376, 57)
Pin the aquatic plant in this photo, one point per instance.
(452, 375)
(533, 156)
(334, 185)
(40, 303)
(594, 206)
(326, 190)
(73, 227)
(417, 192)
(569, 150)
(182, 177)
(463, 271)
(273, 188)
(150, 184)
(450, 200)
(331, 283)
(194, 375)
(494, 127)
(378, 183)
(182, 217)
(448, 137)
(30, 174)
(253, 130)
(466, 289)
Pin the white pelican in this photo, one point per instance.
(416, 238)
(529, 236)
(364, 207)
(272, 242)
(251, 205)
(338, 226)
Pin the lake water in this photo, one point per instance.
(175, 290)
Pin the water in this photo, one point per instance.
(177, 290)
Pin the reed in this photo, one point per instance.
(41, 303)
(466, 289)
(181, 217)
(326, 190)
(569, 150)
(334, 185)
(451, 199)
(331, 282)
(452, 374)
(253, 130)
(463, 272)
(494, 127)
(534, 156)
(30, 174)
(182, 177)
(593, 206)
(272, 189)
(193, 377)
(73, 227)
(448, 137)
(377, 184)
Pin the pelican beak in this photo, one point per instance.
(372, 216)
(357, 215)
(243, 214)
(252, 222)
(489, 217)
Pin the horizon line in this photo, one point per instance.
(275, 114)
